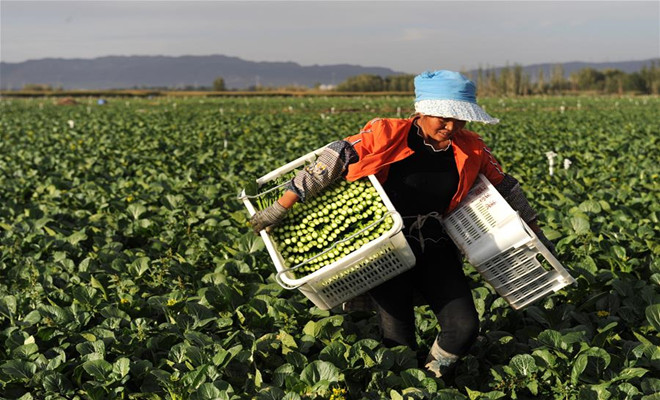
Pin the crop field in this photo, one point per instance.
(128, 269)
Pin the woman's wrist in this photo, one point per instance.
(288, 199)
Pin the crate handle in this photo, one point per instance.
(244, 196)
(556, 264)
(291, 165)
(278, 277)
(307, 158)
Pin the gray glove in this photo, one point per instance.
(331, 164)
(267, 217)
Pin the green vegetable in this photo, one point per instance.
(323, 230)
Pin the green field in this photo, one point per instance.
(128, 270)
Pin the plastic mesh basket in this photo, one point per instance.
(352, 275)
(502, 248)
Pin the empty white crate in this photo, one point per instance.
(502, 248)
(352, 275)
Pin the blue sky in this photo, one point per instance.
(404, 36)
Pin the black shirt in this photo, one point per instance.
(423, 182)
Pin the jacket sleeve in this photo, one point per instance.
(489, 165)
(364, 142)
(334, 161)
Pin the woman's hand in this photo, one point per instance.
(272, 215)
(267, 217)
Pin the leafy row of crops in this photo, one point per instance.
(127, 269)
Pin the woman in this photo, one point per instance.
(427, 165)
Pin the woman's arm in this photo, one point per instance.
(330, 165)
(288, 199)
(510, 189)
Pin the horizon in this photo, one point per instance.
(323, 65)
(406, 37)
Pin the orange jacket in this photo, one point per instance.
(384, 141)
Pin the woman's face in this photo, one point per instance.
(438, 128)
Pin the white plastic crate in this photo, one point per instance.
(352, 275)
(502, 248)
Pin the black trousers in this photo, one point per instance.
(439, 279)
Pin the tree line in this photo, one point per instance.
(514, 81)
(506, 81)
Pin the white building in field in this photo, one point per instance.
(327, 87)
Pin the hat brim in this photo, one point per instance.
(463, 110)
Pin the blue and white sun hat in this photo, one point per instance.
(449, 94)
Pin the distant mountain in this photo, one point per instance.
(570, 67)
(114, 72)
(123, 72)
